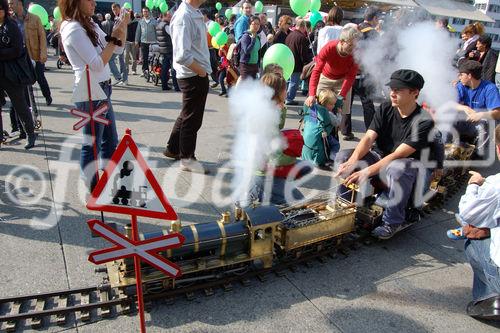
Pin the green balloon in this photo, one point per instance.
(259, 7)
(218, 6)
(163, 7)
(150, 4)
(300, 7)
(281, 55)
(40, 12)
(315, 5)
(315, 18)
(221, 38)
(127, 5)
(228, 13)
(214, 28)
(57, 14)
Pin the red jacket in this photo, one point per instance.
(333, 66)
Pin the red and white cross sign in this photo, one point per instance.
(145, 250)
(96, 115)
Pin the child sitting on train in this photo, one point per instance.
(320, 121)
(282, 163)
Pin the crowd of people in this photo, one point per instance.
(325, 69)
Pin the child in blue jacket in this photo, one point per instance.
(320, 130)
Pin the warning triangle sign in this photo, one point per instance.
(128, 186)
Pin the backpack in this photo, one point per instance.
(233, 54)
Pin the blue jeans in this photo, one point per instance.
(400, 178)
(486, 282)
(122, 74)
(166, 68)
(106, 139)
(222, 76)
(293, 85)
(277, 195)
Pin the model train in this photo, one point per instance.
(262, 236)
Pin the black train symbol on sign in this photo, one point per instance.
(125, 197)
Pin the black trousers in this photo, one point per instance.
(30, 99)
(145, 56)
(182, 140)
(361, 89)
(214, 63)
(42, 81)
(2, 103)
(17, 95)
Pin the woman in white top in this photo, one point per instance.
(86, 44)
(333, 27)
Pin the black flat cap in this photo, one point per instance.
(406, 78)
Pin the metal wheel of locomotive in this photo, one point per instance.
(60, 63)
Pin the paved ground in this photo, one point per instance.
(417, 282)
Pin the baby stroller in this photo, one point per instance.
(154, 72)
(62, 60)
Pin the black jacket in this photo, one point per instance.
(299, 45)
(489, 62)
(11, 41)
(131, 28)
(163, 38)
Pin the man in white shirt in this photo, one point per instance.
(479, 208)
(192, 65)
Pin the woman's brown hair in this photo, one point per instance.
(5, 6)
(70, 11)
(475, 28)
(335, 15)
(282, 21)
(276, 82)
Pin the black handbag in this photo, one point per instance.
(20, 71)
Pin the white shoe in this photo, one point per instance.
(115, 82)
(134, 73)
(122, 83)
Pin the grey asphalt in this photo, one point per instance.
(419, 281)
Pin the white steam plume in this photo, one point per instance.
(256, 122)
(421, 47)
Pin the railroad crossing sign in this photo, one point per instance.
(145, 250)
(97, 116)
(128, 186)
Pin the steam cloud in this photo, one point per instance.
(423, 48)
(257, 137)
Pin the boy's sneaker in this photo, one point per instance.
(115, 82)
(386, 230)
(455, 234)
(122, 83)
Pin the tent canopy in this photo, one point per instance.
(402, 3)
(454, 9)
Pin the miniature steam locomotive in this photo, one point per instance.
(256, 236)
(262, 236)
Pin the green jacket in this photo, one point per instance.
(316, 121)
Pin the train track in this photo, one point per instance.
(38, 310)
(101, 302)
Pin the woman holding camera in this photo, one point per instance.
(86, 44)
